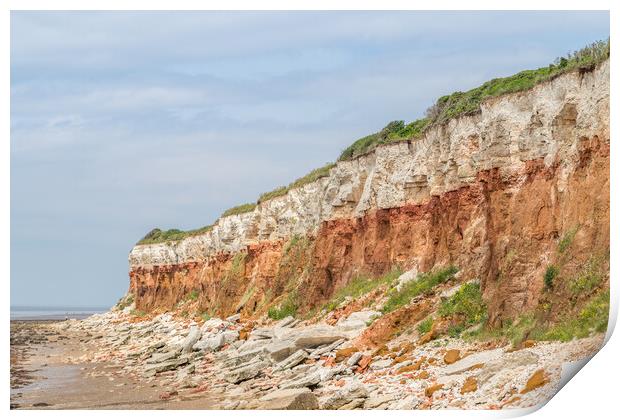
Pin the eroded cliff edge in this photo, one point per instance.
(491, 193)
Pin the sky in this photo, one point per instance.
(125, 121)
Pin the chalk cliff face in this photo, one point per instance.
(491, 193)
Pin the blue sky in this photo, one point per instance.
(123, 121)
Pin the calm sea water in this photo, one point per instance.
(53, 312)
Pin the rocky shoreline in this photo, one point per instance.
(288, 364)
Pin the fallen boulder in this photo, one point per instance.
(246, 371)
(346, 395)
(290, 399)
(509, 361)
(292, 361)
(317, 336)
(193, 336)
(212, 343)
(166, 365)
(162, 357)
(280, 350)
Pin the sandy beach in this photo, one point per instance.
(45, 375)
(115, 361)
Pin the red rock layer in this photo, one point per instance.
(502, 229)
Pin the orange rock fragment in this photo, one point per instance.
(470, 385)
(407, 347)
(343, 354)
(399, 359)
(423, 375)
(413, 367)
(383, 350)
(538, 379)
(425, 338)
(528, 343)
(476, 366)
(432, 389)
(452, 356)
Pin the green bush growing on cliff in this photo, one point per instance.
(361, 285)
(236, 268)
(137, 313)
(550, 274)
(567, 240)
(593, 318)
(588, 278)
(424, 283)
(466, 304)
(124, 302)
(288, 307)
(193, 295)
(514, 331)
(425, 326)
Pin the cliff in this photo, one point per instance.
(491, 193)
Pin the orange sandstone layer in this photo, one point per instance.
(502, 229)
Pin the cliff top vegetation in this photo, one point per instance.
(446, 108)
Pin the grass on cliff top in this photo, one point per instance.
(314, 175)
(467, 103)
(424, 283)
(359, 286)
(156, 235)
(446, 108)
(240, 209)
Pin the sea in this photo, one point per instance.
(44, 313)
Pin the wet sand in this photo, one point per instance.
(46, 375)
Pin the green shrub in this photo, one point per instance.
(236, 268)
(588, 279)
(567, 240)
(550, 275)
(139, 313)
(124, 302)
(455, 330)
(359, 286)
(592, 318)
(466, 302)
(286, 308)
(205, 316)
(193, 295)
(425, 326)
(515, 332)
(423, 284)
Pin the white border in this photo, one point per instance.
(593, 394)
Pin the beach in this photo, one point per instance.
(119, 361)
(49, 371)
